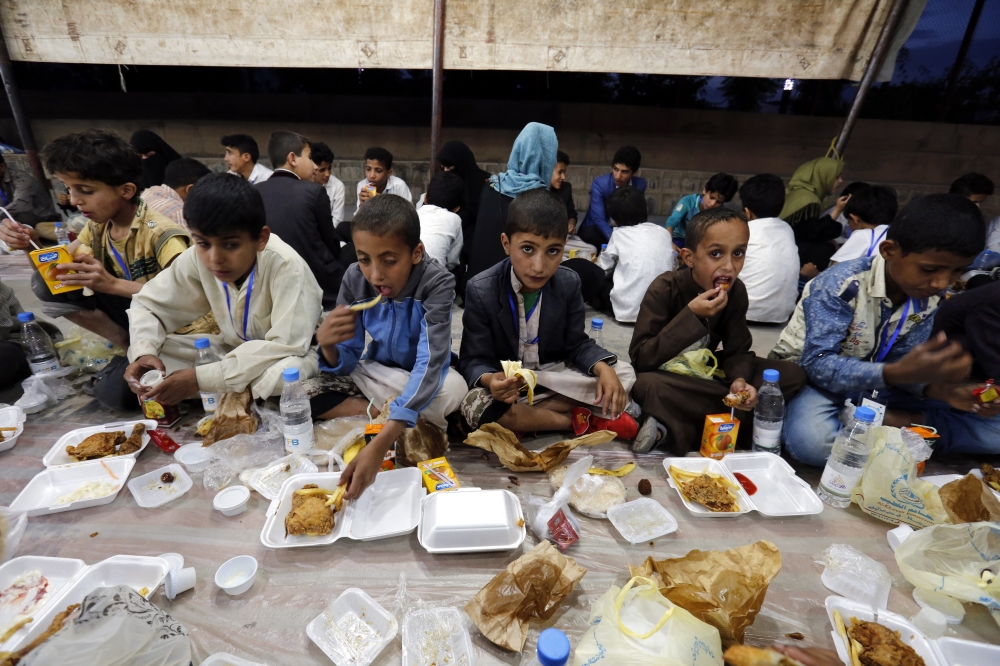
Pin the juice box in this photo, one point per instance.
(719, 435)
(438, 475)
(46, 261)
(389, 460)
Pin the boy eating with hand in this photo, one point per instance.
(379, 178)
(530, 310)
(697, 307)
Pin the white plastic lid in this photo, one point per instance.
(951, 608)
(151, 378)
(231, 497)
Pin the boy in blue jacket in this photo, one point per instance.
(410, 326)
(719, 190)
(596, 226)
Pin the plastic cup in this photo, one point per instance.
(931, 622)
(236, 576)
(232, 501)
(898, 535)
(177, 581)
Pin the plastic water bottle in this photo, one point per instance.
(296, 416)
(847, 459)
(596, 331)
(62, 236)
(552, 650)
(205, 356)
(604, 246)
(768, 415)
(40, 351)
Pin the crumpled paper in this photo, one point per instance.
(723, 588)
(233, 416)
(530, 588)
(494, 437)
(968, 500)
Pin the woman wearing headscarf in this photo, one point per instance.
(530, 166)
(156, 155)
(810, 185)
(457, 157)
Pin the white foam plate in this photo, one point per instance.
(267, 480)
(11, 417)
(57, 570)
(715, 467)
(470, 520)
(907, 632)
(149, 491)
(39, 496)
(389, 507)
(779, 491)
(57, 455)
(436, 636)
(643, 519)
(354, 629)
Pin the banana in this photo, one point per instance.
(364, 305)
(513, 368)
(621, 471)
(353, 451)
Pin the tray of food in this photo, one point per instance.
(160, 486)
(707, 488)
(892, 635)
(353, 630)
(268, 480)
(470, 520)
(71, 487)
(122, 439)
(27, 585)
(11, 426)
(771, 485)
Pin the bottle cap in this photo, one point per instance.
(292, 375)
(596, 324)
(205, 343)
(866, 414)
(604, 246)
(553, 648)
(25, 317)
(771, 376)
(58, 225)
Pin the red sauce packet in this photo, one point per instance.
(562, 531)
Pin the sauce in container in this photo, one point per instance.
(747, 484)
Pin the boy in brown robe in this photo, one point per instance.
(698, 306)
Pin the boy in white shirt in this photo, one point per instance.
(638, 251)
(771, 269)
(869, 211)
(440, 225)
(322, 157)
(379, 179)
(241, 157)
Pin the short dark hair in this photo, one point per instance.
(539, 212)
(629, 156)
(854, 187)
(627, 206)
(95, 155)
(447, 190)
(379, 155)
(283, 142)
(389, 215)
(944, 222)
(223, 202)
(562, 157)
(699, 224)
(763, 195)
(972, 183)
(320, 152)
(724, 184)
(875, 205)
(243, 143)
(185, 171)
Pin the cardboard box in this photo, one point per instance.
(719, 435)
(46, 260)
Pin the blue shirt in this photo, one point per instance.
(602, 188)
(685, 209)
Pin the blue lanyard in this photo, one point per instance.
(875, 241)
(246, 306)
(118, 257)
(3, 196)
(517, 318)
(883, 349)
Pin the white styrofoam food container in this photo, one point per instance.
(706, 465)
(57, 455)
(470, 520)
(131, 570)
(436, 636)
(354, 629)
(643, 519)
(268, 480)
(57, 571)
(39, 496)
(150, 491)
(11, 417)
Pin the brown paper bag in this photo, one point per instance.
(723, 588)
(234, 416)
(513, 455)
(968, 500)
(425, 442)
(530, 588)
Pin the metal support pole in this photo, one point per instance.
(871, 71)
(23, 126)
(963, 51)
(437, 85)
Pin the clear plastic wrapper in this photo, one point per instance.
(592, 494)
(12, 524)
(552, 518)
(232, 456)
(86, 350)
(852, 574)
(918, 446)
(50, 386)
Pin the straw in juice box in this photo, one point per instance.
(438, 475)
(719, 435)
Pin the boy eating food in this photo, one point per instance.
(529, 309)
(379, 179)
(693, 308)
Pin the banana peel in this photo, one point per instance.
(514, 369)
(621, 471)
(364, 305)
(353, 450)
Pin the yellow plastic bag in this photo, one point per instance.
(890, 489)
(695, 363)
(637, 625)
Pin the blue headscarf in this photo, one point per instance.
(531, 162)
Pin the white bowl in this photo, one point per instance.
(32, 405)
(193, 456)
(232, 501)
(236, 575)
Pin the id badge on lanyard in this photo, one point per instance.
(885, 346)
(246, 305)
(118, 257)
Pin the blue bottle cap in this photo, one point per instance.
(866, 414)
(24, 317)
(202, 343)
(290, 374)
(604, 246)
(553, 648)
(58, 225)
(596, 324)
(771, 376)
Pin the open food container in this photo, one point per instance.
(779, 491)
(42, 494)
(436, 636)
(150, 490)
(354, 629)
(11, 417)
(642, 519)
(73, 581)
(268, 480)
(57, 455)
(57, 573)
(470, 520)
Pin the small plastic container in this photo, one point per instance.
(643, 519)
(150, 490)
(931, 622)
(950, 607)
(898, 535)
(353, 630)
(175, 560)
(11, 417)
(232, 501)
(236, 576)
(177, 581)
(856, 576)
(436, 636)
(32, 404)
(195, 457)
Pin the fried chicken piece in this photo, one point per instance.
(991, 476)
(711, 493)
(13, 658)
(97, 445)
(736, 399)
(882, 646)
(134, 441)
(309, 515)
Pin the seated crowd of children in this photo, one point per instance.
(261, 264)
